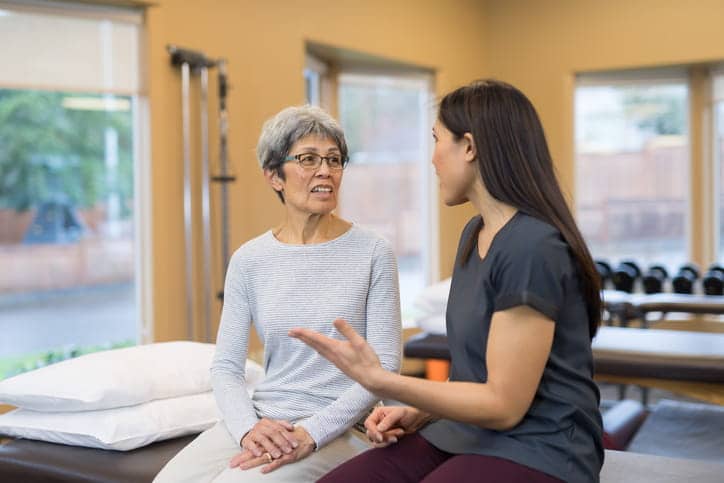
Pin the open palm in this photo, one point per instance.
(353, 356)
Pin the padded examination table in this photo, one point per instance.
(682, 430)
(685, 362)
(664, 354)
(627, 467)
(27, 461)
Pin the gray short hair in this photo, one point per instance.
(279, 133)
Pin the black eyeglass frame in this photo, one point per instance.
(343, 160)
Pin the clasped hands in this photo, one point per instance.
(387, 424)
(273, 443)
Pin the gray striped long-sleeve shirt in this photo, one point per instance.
(280, 286)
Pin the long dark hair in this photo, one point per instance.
(516, 167)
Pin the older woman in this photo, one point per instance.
(311, 268)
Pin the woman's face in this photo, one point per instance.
(451, 159)
(311, 191)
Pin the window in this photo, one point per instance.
(70, 243)
(632, 168)
(386, 185)
(314, 72)
(718, 154)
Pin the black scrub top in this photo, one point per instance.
(528, 263)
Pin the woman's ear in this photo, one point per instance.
(471, 153)
(272, 177)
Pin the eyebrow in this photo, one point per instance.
(314, 149)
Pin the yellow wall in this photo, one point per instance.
(539, 46)
(536, 45)
(264, 44)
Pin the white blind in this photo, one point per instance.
(91, 50)
(718, 83)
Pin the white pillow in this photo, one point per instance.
(433, 299)
(116, 378)
(120, 428)
(123, 428)
(433, 324)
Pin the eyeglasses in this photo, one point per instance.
(314, 160)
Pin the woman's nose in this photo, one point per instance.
(323, 169)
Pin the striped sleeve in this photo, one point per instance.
(228, 366)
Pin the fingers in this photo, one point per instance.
(255, 461)
(396, 433)
(282, 440)
(385, 423)
(379, 437)
(250, 445)
(289, 436)
(271, 436)
(371, 423)
(268, 460)
(375, 417)
(286, 425)
(373, 434)
(314, 340)
(390, 420)
(385, 443)
(389, 437)
(286, 459)
(274, 444)
(305, 335)
(241, 458)
(346, 330)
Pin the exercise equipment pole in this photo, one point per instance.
(192, 62)
(224, 178)
(205, 202)
(188, 212)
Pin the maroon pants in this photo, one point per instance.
(414, 460)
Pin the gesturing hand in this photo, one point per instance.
(387, 424)
(354, 356)
(272, 436)
(247, 460)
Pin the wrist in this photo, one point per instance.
(305, 438)
(425, 418)
(377, 381)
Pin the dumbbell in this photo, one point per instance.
(684, 281)
(625, 276)
(604, 271)
(654, 279)
(713, 281)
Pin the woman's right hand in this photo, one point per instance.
(272, 436)
(387, 424)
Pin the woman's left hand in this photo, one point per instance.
(354, 356)
(246, 459)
